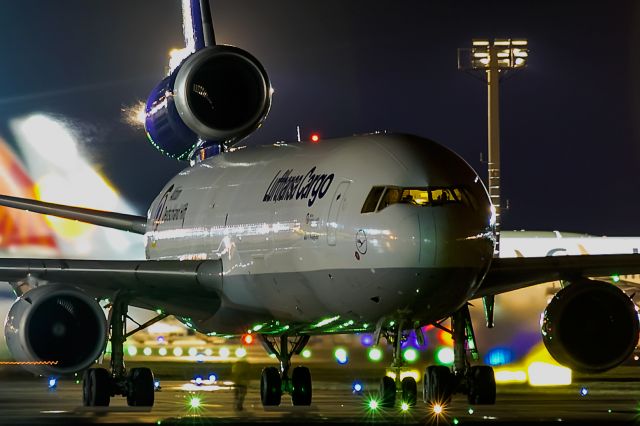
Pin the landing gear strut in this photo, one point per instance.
(477, 382)
(99, 385)
(274, 383)
(407, 385)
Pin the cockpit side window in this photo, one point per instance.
(371, 202)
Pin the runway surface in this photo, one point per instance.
(29, 401)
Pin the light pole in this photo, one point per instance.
(491, 59)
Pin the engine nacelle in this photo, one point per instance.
(56, 323)
(590, 326)
(218, 94)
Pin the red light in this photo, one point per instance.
(247, 339)
(315, 137)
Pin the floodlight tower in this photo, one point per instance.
(491, 59)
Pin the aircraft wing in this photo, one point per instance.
(124, 222)
(507, 274)
(173, 285)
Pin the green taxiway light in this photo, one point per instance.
(410, 355)
(195, 402)
(375, 354)
(444, 356)
(404, 407)
(373, 404)
(615, 278)
(306, 353)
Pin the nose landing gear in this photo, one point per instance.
(407, 386)
(274, 383)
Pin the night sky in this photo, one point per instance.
(570, 131)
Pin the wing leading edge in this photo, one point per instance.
(507, 274)
(124, 222)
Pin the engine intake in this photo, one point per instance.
(590, 326)
(218, 94)
(56, 323)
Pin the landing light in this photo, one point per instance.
(437, 409)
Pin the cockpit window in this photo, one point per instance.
(391, 196)
(431, 196)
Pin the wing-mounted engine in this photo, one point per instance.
(58, 326)
(590, 326)
(218, 95)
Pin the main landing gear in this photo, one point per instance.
(477, 382)
(137, 385)
(440, 382)
(274, 383)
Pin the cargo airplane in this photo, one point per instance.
(382, 233)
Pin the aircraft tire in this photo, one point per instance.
(270, 387)
(301, 391)
(387, 392)
(409, 391)
(96, 388)
(141, 388)
(482, 385)
(437, 385)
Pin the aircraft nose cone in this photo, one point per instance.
(464, 248)
(464, 237)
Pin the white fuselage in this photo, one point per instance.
(286, 220)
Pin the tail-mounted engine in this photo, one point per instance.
(56, 329)
(590, 326)
(219, 94)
